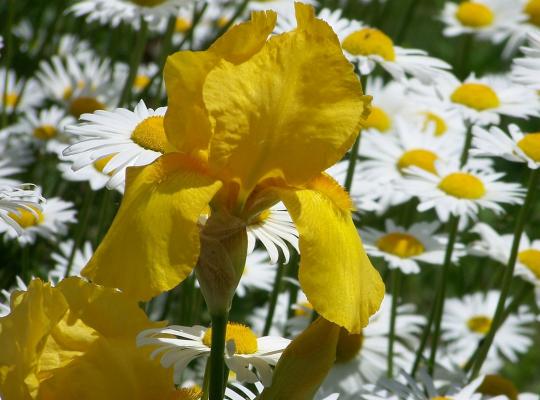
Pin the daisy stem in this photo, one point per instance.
(508, 273)
(273, 299)
(217, 354)
(7, 60)
(396, 284)
(466, 147)
(453, 224)
(165, 51)
(102, 217)
(134, 63)
(406, 22)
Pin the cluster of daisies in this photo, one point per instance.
(436, 177)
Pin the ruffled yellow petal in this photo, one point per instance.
(335, 272)
(186, 121)
(275, 116)
(305, 363)
(153, 243)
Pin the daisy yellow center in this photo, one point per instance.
(150, 134)
(244, 338)
(420, 158)
(45, 132)
(222, 21)
(530, 145)
(182, 25)
(531, 259)
(463, 186)
(303, 310)
(441, 398)
(495, 385)
(370, 41)
(379, 120)
(532, 9)
(400, 244)
(148, 3)
(189, 393)
(440, 124)
(26, 218)
(68, 92)
(85, 105)
(140, 82)
(349, 345)
(474, 15)
(479, 324)
(100, 164)
(261, 217)
(12, 99)
(476, 95)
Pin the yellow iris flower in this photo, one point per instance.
(252, 120)
(76, 341)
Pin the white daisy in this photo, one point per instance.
(114, 12)
(483, 101)
(80, 259)
(403, 248)
(7, 170)
(18, 94)
(258, 273)
(236, 391)
(71, 45)
(48, 222)
(143, 78)
(517, 147)
(13, 200)
(5, 306)
(466, 322)
(525, 69)
(485, 19)
(498, 247)
(527, 28)
(362, 358)
(80, 86)
(251, 358)
(387, 105)
(273, 228)
(46, 128)
(129, 138)
(460, 191)
(92, 173)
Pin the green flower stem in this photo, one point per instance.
(165, 51)
(406, 21)
(508, 272)
(441, 290)
(273, 298)
(134, 63)
(466, 147)
(423, 342)
(83, 224)
(396, 284)
(217, 357)
(293, 289)
(7, 59)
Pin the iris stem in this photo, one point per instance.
(508, 272)
(134, 63)
(396, 284)
(273, 299)
(7, 59)
(453, 224)
(217, 356)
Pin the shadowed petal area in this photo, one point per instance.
(335, 272)
(153, 243)
(273, 116)
(186, 122)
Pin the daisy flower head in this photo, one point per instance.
(16, 94)
(461, 191)
(127, 138)
(46, 128)
(17, 202)
(498, 247)
(79, 86)
(525, 69)
(517, 146)
(258, 273)
(482, 101)
(274, 228)
(48, 222)
(404, 248)
(362, 358)
(251, 358)
(114, 12)
(143, 78)
(528, 28)
(370, 47)
(387, 104)
(62, 260)
(466, 321)
(236, 391)
(486, 19)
